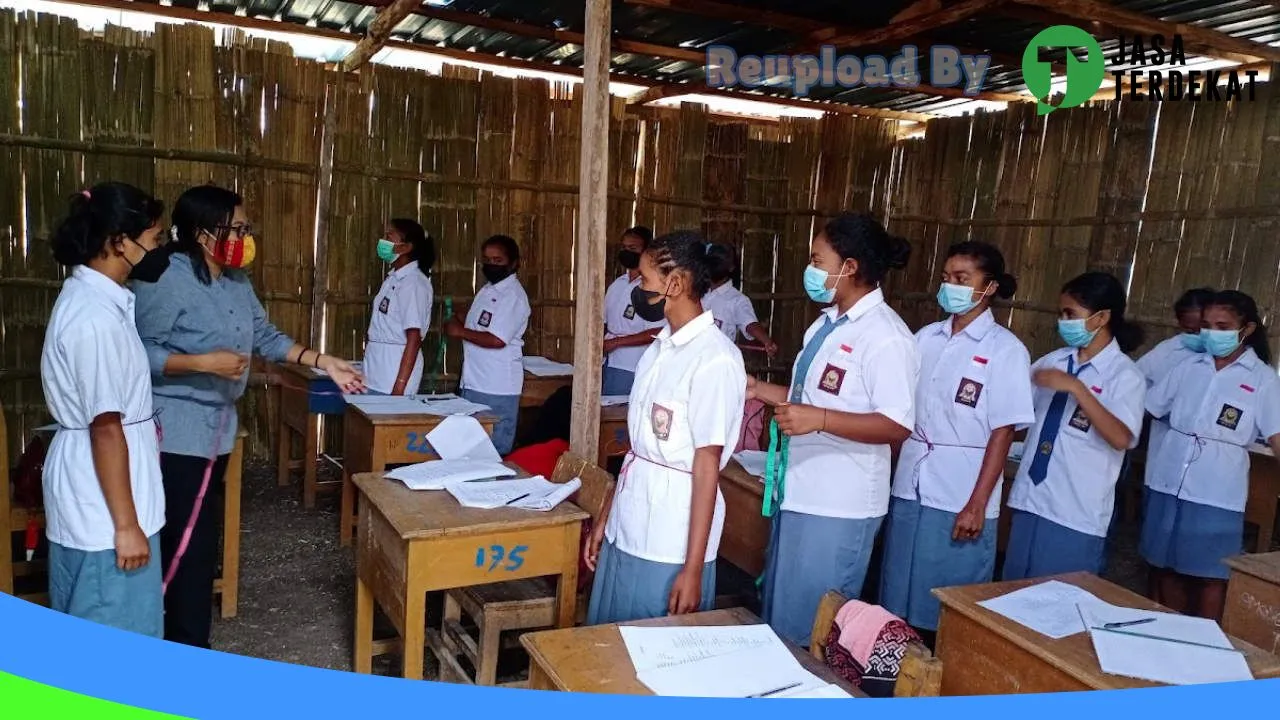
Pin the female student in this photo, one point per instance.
(103, 501)
(655, 554)
(199, 325)
(493, 339)
(974, 394)
(401, 310)
(731, 309)
(1088, 401)
(851, 398)
(628, 330)
(1216, 404)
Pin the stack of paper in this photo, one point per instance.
(386, 404)
(1162, 647)
(439, 474)
(533, 493)
(753, 461)
(450, 406)
(608, 400)
(542, 367)
(1049, 608)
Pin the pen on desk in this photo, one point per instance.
(1131, 623)
(513, 501)
(784, 688)
(1177, 641)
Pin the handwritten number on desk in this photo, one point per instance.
(417, 444)
(497, 553)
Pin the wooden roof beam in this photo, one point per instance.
(736, 13)
(896, 32)
(379, 31)
(1196, 39)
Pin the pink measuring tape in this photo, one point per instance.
(195, 511)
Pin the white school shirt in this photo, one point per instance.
(1156, 366)
(971, 383)
(503, 311)
(402, 304)
(1228, 410)
(731, 309)
(93, 363)
(1078, 491)
(620, 320)
(868, 365)
(689, 391)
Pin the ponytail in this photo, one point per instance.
(424, 246)
(1098, 291)
(1244, 307)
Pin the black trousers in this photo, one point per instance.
(188, 602)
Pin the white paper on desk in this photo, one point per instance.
(545, 502)
(538, 493)
(439, 474)
(462, 437)
(655, 647)
(451, 406)
(1049, 607)
(1162, 660)
(611, 400)
(753, 461)
(754, 671)
(826, 692)
(543, 367)
(385, 404)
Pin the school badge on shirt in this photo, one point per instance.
(968, 392)
(831, 380)
(384, 305)
(660, 420)
(1229, 417)
(629, 313)
(486, 317)
(1080, 421)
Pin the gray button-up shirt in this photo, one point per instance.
(181, 315)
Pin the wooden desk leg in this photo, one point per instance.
(346, 509)
(362, 659)
(310, 449)
(538, 679)
(415, 632)
(284, 452)
(567, 590)
(231, 532)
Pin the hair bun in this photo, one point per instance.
(899, 252)
(1006, 286)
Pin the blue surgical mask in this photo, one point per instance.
(957, 299)
(1193, 342)
(815, 284)
(1220, 343)
(1076, 332)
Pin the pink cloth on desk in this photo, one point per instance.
(860, 625)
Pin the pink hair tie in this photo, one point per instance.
(86, 194)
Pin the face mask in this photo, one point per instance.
(387, 251)
(1193, 342)
(152, 265)
(234, 252)
(648, 311)
(1220, 343)
(629, 259)
(957, 299)
(1076, 332)
(495, 273)
(815, 284)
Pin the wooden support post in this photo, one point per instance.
(593, 228)
(324, 186)
(379, 32)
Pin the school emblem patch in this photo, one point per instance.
(629, 313)
(384, 305)
(1080, 421)
(660, 419)
(1229, 417)
(831, 380)
(968, 392)
(486, 317)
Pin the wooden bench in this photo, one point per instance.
(919, 674)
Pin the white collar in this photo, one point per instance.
(687, 333)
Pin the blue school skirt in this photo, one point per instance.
(919, 555)
(629, 588)
(1040, 547)
(1187, 537)
(809, 555)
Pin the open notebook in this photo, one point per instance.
(533, 493)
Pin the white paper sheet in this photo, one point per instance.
(753, 461)
(543, 367)
(826, 692)
(1150, 651)
(611, 400)
(654, 647)
(451, 406)
(387, 404)
(764, 670)
(545, 502)
(1016, 450)
(533, 493)
(1049, 607)
(462, 437)
(438, 474)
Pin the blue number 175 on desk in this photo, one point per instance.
(495, 555)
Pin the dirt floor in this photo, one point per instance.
(297, 590)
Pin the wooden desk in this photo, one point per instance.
(538, 388)
(1264, 488)
(372, 442)
(412, 542)
(615, 441)
(1253, 600)
(984, 653)
(227, 587)
(746, 531)
(304, 397)
(595, 660)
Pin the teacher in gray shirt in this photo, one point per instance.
(199, 326)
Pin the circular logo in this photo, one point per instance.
(1084, 77)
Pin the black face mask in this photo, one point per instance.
(495, 273)
(649, 312)
(629, 259)
(151, 266)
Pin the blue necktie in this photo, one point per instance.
(1049, 431)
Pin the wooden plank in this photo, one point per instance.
(896, 32)
(378, 32)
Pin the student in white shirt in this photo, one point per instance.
(401, 310)
(1088, 401)
(732, 310)
(852, 398)
(974, 394)
(103, 497)
(627, 332)
(655, 554)
(1217, 404)
(493, 339)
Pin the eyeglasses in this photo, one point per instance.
(239, 230)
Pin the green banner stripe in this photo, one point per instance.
(25, 698)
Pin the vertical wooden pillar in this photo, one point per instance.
(324, 182)
(588, 324)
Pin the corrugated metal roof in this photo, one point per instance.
(1255, 20)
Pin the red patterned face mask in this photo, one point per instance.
(235, 251)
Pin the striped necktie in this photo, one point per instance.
(1049, 431)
